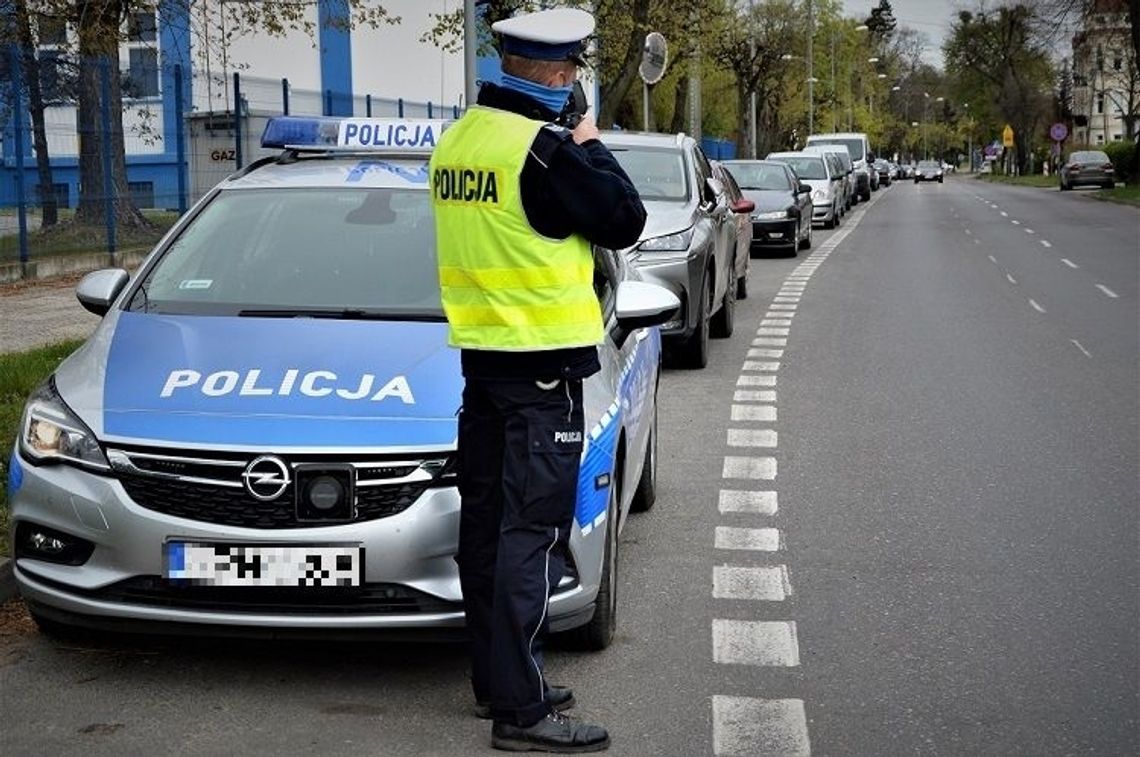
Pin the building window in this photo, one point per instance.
(1100, 103)
(142, 78)
(1117, 61)
(1100, 139)
(141, 27)
(1117, 137)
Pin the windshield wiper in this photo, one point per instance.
(348, 314)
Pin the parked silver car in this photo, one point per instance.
(689, 242)
(850, 190)
(821, 174)
(260, 435)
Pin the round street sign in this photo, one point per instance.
(1058, 132)
(654, 58)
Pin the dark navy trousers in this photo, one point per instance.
(520, 447)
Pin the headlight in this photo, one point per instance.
(820, 195)
(670, 243)
(51, 433)
(772, 215)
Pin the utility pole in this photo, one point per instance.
(470, 42)
(752, 88)
(695, 79)
(834, 90)
(810, 75)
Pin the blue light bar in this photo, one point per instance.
(390, 135)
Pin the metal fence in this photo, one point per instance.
(173, 146)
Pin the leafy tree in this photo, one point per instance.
(1000, 53)
(881, 23)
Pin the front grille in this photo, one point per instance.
(369, 599)
(211, 489)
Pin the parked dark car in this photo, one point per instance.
(1087, 167)
(689, 240)
(884, 170)
(928, 170)
(742, 209)
(782, 216)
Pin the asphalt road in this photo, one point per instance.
(897, 515)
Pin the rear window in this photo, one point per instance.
(759, 176)
(1089, 156)
(301, 248)
(658, 174)
(805, 167)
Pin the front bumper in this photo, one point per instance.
(410, 576)
(823, 213)
(682, 277)
(780, 233)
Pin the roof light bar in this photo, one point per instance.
(319, 133)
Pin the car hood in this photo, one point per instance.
(769, 199)
(273, 383)
(815, 184)
(664, 218)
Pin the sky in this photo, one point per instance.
(931, 17)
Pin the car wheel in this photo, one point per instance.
(939, 179)
(724, 322)
(599, 632)
(866, 196)
(831, 223)
(742, 286)
(645, 495)
(805, 243)
(694, 351)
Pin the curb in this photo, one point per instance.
(7, 580)
(54, 266)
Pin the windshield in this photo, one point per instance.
(853, 145)
(805, 167)
(929, 164)
(658, 174)
(357, 249)
(759, 176)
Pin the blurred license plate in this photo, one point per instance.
(264, 565)
(776, 234)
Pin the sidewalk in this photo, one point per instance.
(37, 313)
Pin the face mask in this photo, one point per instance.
(552, 98)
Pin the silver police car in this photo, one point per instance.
(260, 435)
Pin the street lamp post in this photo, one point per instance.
(810, 76)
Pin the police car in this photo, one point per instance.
(261, 433)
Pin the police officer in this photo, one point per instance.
(518, 200)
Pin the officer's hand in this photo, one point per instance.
(586, 130)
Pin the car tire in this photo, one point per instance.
(805, 243)
(939, 179)
(831, 223)
(597, 634)
(693, 353)
(866, 196)
(724, 322)
(645, 496)
(742, 287)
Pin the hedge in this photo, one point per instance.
(1123, 157)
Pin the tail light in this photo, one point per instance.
(1074, 166)
(1107, 166)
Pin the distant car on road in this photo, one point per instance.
(781, 219)
(1087, 167)
(826, 183)
(928, 170)
(884, 169)
(742, 208)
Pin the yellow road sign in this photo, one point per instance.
(1007, 136)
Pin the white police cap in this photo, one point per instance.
(555, 34)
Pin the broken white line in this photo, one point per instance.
(1107, 291)
(1036, 307)
(1045, 243)
(1069, 263)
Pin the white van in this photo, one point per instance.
(859, 147)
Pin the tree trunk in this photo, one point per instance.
(618, 91)
(680, 105)
(49, 214)
(98, 32)
(743, 148)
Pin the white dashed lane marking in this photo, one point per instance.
(1035, 306)
(762, 413)
(765, 353)
(755, 642)
(751, 437)
(748, 726)
(752, 365)
(753, 468)
(756, 381)
(768, 583)
(1108, 292)
(754, 395)
(1046, 243)
(1080, 347)
(1069, 263)
(759, 503)
(1011, 279)
(751, 539)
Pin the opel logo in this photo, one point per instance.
(266, 478)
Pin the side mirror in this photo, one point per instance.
(713, 190)
(803, 189)
(98, 289)
(640, 305)
(743, 206)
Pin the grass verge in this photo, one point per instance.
(20, 373)
(69, 238)
(1129, 195)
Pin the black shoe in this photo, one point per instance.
(554, 733)
(560, 699)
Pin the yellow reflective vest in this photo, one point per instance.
(504, 286)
